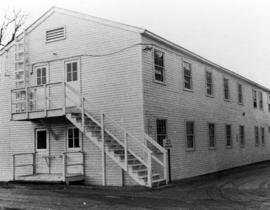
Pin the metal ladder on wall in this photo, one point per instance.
(21, 69)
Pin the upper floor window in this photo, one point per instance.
(187, 75)
(256, 134)
(41, 75)
(254, 97)
(159, 66)
(242, 135)
(161, 130)
(240, 93)
(209, 83)
(226, 89)
(211, 133)
(269, 102)
(56, 34)
(228, 131)
(72, 71)
(190, 137)
(260, 100)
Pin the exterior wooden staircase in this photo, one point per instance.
(144, 160)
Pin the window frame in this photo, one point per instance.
(36, 67)
(36, 138)
(191, 75)
(211, 84)
(240, 94)
(228, 89)
(268, 101)
(262, 136)
(163, 67)
(190, 149)
(254, 99)
(242, 143)
(256, 135)
(226, 136)
(166, 129)
(260, 99)
(66, 62)
(67, 139)
(211, 136)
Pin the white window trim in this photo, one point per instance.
(211, 147)
(191, 74)
(228, 146)
(78, 70)
(213, 89)
(35, 72)
(164, 67)
(229, 91)
(75, 149)
(47, 140)
(189, 149)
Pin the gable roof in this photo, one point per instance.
(134, 29)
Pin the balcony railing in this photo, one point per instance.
(38, 99)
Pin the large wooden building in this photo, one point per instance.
(83, 98)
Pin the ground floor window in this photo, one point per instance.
(161, 130)
(256, 133)
(41, 139)
(262, 135)
(211, 134)
(242, 135)
(228, 129)
(73, 138)
(190, 135)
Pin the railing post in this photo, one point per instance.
(45, 99)
(34, 163)
(149, 173)
(103, 148)
(14, 167)
(82, 109)
(65, 98)
(165, 162)
(64, 166)
(126, 150)
(27, 102)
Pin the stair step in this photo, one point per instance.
(141, 171)
(122, 156)
(154, 177)
(135, 166)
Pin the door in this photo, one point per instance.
(37, 94)
(42, 151)
(72, 78)
(73, 148)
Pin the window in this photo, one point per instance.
(72, 71)
(161, 130)
(240, 94)
(254, 96)
(56, 34)
(211, 133)
(242, 135)
(190, 135)
(228, 129)
(256, 134)
(260, 100)
(41, 139)
(159, 66)
(187, 75)
(226, 89)
(209, 83)
(41, 76)
(269, 103)
(73, 138)
(262, 136)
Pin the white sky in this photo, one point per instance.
(232, 33)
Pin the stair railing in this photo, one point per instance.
(130, 143)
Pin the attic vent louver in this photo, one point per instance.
(56, 34)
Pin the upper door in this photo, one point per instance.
(72, 78)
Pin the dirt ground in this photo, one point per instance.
(242, 188)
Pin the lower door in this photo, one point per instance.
(42, 151)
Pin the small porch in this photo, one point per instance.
(24, 168)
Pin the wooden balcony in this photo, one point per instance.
(41, 101)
